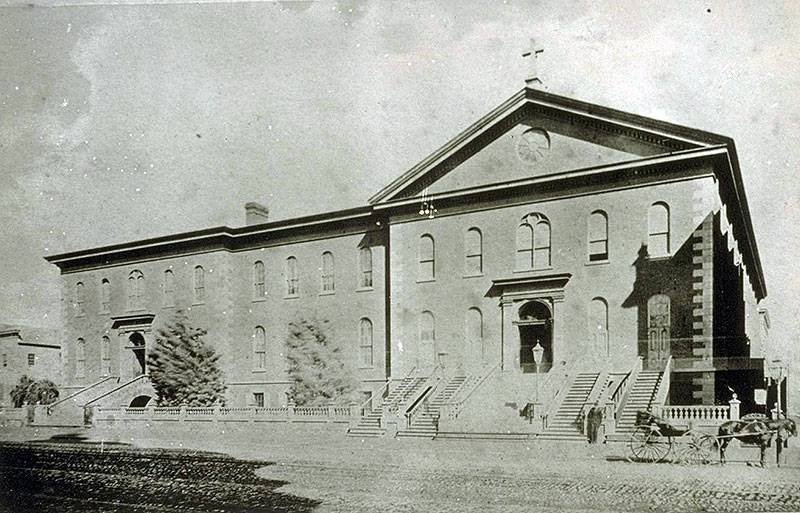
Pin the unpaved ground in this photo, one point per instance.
(306, 469)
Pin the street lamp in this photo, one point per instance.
(538, 353)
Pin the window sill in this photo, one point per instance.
(370, 367)
(201, 303)
(365, 289)
(598, 262)
(327, 293)
(429, 280)
(658, 258)
(291, 296)
(259, 299)
(536, 270)
(168, 306)
(259, 371)
(479, 275)
(104, 312)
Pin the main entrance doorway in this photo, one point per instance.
(137, 346)
(658, 331)
(535, 326)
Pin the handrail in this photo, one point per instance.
(556, 379)
(82, 390)
(113, 390)
(372, 397)
(633, 375)
(662, 392)
(412, 400)
(454, 407)
(394, 405)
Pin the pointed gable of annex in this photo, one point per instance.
(535, 133)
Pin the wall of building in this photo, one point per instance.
(33, 353)
(625, 281)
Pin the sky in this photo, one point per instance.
(127, 120)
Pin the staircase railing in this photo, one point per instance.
(661, 394)
(115, 389)
(452, 408)
(623, 391)
(79, 392)
(363, 406)
(597, 395)
(554, 387)
(391, 406)
(418, 399)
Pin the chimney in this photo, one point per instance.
(255, 213)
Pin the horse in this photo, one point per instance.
(757, 431)
(746, 431)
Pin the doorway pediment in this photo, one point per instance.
(519, 288)
(132, 322)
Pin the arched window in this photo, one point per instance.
(427, 258)
(524, 246)
(199, 284)
(427, 327)
(328, 284)
(80, 298)
(658, 238)
(105, 355)
(80, 358)
(259, 280)
(169, 288)
(292, 282)
(365, 267)
(259, 348)
(473, 252)
(135, 290)
(533, 242)
(598, 326)
(105, 296)
(473, 329)
(366, 350)
(598, 236)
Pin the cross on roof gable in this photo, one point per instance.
(638, 135)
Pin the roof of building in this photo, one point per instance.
(655, 141)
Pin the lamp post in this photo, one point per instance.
(538, 353)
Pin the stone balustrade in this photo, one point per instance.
(290, 413)
(694, 415)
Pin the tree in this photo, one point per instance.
(183, 369)
(29, 391)
(317, 366)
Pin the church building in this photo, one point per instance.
(554, 252)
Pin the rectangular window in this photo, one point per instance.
(258, 399)
(31, 359)
(365, 262)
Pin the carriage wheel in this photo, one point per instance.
(648, 445)
(696, 448)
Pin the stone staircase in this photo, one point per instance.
(640, 398)
(369, 425)
(566, 423)
(425, 425)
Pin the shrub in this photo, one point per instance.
(42, 391)
(317, 367)
(183, 369)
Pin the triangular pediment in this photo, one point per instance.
(535, 133)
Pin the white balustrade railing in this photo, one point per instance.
(698, 415)
(288, 413)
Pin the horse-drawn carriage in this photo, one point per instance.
(654, 438)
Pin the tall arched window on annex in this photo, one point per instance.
(259, 348)
(328, 283)
(292, 281)
(365, 341)
(658, 331)
(473, 252)
(80, 358)
(473, 331)
(259, 281)
(533, 243)
(427, 259)
(105, 355)
(598, 327)
(426, 356)
(658, 230)
(105, 296)
(135, 290)
(169, 289)
(199, 285)
(80, 299)
(365, 267)
(598, 236)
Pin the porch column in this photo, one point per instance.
(560, 352)
(509, 347)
